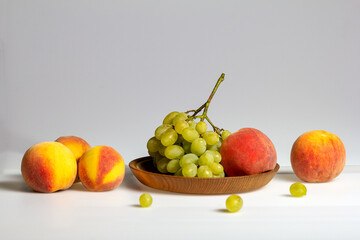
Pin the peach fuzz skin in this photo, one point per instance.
(101, 168)
(318, 156)
(48, 167)
(247, 151)
(77, 146)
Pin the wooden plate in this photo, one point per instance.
(145, 172)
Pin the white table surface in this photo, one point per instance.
(328, 211)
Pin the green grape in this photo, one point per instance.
(216, 168)
(161, 129)
(186, 146)
(192, 124)
(169, 118)
(216, 155)
(187, 159)
(204, 172)
(153, 145)
(180, 126)
(169, 137)
(178, 172)
(162, 150)
(156, 157)
(145, 200)
(190, 134)
(298, 189)
(212, 147)
(201, 127)
(180, 140)
(162, 165)
(198, 146)
(219, 175)
(206, 159)
(173, 166)
(153, 154)
(218, 146)
(174, 151)
(189, 170)
(211, 137)
(234, 203)
(225, 134)
(181, 116)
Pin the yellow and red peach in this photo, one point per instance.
(49, 167)
(77, 145)
(247, 151)
(318, 156)
(101, 168)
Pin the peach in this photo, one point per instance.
(247, 151)
(101, 168)
(318, 156)
(48, 167)
(77, 145)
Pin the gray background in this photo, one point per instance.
(109, 71)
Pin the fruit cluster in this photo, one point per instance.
(183, 147)
(52, 166)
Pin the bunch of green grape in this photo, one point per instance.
(183, 147)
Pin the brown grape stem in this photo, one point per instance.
(206, 105)
(216, 129)
(195, 112)
(221, 79)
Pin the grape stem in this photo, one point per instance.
(206, 105)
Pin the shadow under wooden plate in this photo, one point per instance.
(146, 173)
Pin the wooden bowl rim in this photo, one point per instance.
(133, 166)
